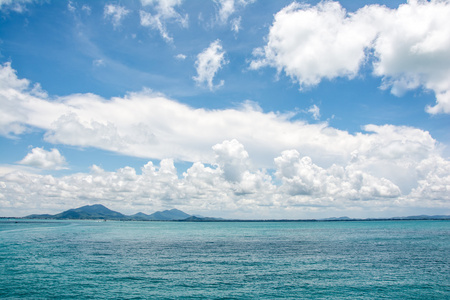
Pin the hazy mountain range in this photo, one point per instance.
(100, 212)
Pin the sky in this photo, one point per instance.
(247, 109)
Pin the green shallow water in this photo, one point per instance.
(168, 260)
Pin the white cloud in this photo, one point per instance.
(409, 45)
(412, 50)
(11, 115)
(310, 43)
(154, 21)
(180, 56)
(314, 110)
(40, 158)
(15, 5)
(227, 8)
(300, 176)
(165, 13)
(208, 63)
(383, 166)
(236, 24)
(232, 159)
(9, 80)
(116, 13)
(434, 179)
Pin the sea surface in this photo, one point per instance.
(231, 260)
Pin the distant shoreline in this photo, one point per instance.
(98, 212)
(430, 218)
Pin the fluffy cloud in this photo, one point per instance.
(164, 12)
(232, 158)
(300, 176)
(40, 158)
(412, 50)
(434, 179)
(12, 117)
(310, 43)
(409, 45)
(116, 13)
(208, 63)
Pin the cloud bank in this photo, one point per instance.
(231, 187)
(408, 47)
(244, 159)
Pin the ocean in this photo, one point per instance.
(42, 259)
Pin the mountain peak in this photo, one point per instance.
(169, 215)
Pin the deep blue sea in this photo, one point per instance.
(216, 260)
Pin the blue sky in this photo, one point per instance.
(245, 108)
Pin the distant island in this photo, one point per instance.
(100, 212)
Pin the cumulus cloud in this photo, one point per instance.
(300, 176)
(116, 13)
(12, 116)
(434, 179)
(40, 158)
(407, 46)
(232, 158)
(208, 63)
(164, 13)
(311, 43)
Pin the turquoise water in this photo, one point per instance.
(167, 260)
